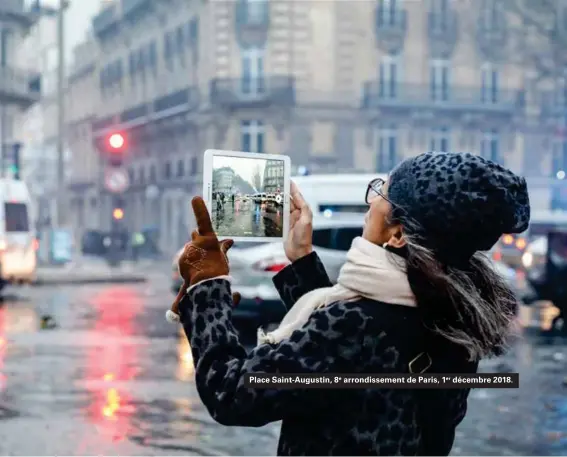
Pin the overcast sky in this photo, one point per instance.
(242, 166)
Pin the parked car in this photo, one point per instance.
(252, 266)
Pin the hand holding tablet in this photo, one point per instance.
(247, 195)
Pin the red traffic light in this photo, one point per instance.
(116, 141)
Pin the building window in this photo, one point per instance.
(180, 168)
(490, 15)
(167, 170)
(192, 31)
(489, 84)
(152, 173)
(257, 11)
(388, 76)
(5, 44)
(132, 66)
(440, 72)
(152, 56)
(193, 165)
(252, 136)
(142, 63)
(559, 159)
(490, 145)
(387, 154)
(389, 12)
(253, 79)
(168, 49)
(440, 140)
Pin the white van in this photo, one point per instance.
(329, 194)
(18, 243)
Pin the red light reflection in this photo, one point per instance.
(111, 363)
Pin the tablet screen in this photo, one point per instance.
(247, 196)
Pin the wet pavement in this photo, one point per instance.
(246, 218)
(113, 378)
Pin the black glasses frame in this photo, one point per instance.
(376, 186)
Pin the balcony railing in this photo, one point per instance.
(390, 27)
(17, 10)
(442, 25)
(410, 96)
(391, 21)
(105, 20)
(19, 86)
(131, 7)
(234, 92)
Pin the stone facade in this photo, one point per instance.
(338, 86)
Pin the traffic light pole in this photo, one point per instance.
(60, 110)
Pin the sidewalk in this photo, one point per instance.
(93, 270)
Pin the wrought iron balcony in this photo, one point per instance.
(442, 30)
(131, 7)
(390, 27)
(15, 10)
(105, 20)
(19, 87)
(252, 18)
(410, 97)
(249, 92)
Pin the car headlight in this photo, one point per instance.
(527, 259)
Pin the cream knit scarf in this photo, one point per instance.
(370, 272)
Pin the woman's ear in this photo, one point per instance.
(397, 239)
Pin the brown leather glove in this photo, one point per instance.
(203, 258)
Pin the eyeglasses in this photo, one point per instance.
(374, 190)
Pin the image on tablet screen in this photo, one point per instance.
(247, 197)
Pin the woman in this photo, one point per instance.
(415, 294)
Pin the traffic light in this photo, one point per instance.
(115, 146)
(118, 214)
(11, 154)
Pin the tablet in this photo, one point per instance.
(247, 194)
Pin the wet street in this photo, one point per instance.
(113, 378)
(246, 219)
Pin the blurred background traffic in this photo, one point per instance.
(106, 107)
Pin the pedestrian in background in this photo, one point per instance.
(415, 295)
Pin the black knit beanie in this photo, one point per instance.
(458, 203)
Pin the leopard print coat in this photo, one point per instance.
(355, 337)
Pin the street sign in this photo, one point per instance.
(116, 180)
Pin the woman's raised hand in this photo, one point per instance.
(299, 241)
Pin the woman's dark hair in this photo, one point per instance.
(470, 305)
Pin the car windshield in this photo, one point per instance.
(247, 244)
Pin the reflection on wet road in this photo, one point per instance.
(246, 218)
(114, 378)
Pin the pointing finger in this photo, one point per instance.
(204, 224)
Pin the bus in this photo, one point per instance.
(18, 242)
(340, 193)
